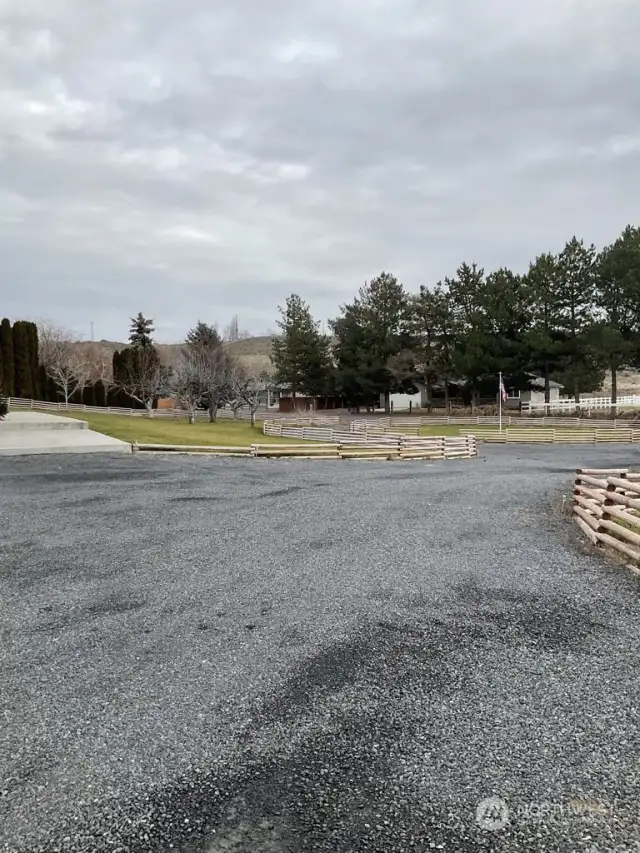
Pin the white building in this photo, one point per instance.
(536, 393)
(404, 402)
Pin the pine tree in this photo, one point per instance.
(203, 334)
(580, 365)
(22, 360)
(372, 334)
(544, 338)
(140, 331)
(300, 354)
(6, 347)
(617, 333)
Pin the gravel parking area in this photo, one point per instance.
(255, 656)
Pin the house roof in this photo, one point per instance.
(538, 384)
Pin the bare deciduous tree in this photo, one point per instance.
(63, 361)
(247, 390)
(214, 365)
(142, 376)
(189, 379)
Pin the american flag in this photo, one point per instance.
(503, 393)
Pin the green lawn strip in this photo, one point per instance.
(167, 430)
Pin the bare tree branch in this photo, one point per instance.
(64, 363)
(142, 376)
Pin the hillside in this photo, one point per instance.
(252, 352)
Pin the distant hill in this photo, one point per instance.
(254, 353)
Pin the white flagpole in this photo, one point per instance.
(500, 399)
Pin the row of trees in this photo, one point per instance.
(570, 318)
(20, 374)
(201, 374)
(45, 363)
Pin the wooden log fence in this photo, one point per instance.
(559, 436)
(606, 507)
(401, 445)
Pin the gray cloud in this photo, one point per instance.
(195, 161)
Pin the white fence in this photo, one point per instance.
(19, 403)
(588, 404)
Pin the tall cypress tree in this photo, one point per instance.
(34, 360)
(21, 361)
(6, 345)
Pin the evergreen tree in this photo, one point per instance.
(89, 394)
(203, 335)
(6, 347)
(34, 360)
(469, 357)
(580, 364)
(435, 339)
(140, 331)
(22, 360)
(300, 354)
(100, 394)
(356, 371)
(382, 310)
(544, 338)
(617, 333)
(44, 386)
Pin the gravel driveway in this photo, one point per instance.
(256, 656)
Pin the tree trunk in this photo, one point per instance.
(192, 416)
(446, 397)
(253, 418)
(429, 390)
(387, 401)
(576, 396)
(614, 390)
(148, 404)
(547, 384)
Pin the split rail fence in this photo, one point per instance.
(606, 506)
(558, 436)
(388, 443)
(436, 448)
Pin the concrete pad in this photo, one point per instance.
(26, 433)
(38, 420)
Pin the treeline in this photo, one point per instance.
(20, 371)
(570, 318)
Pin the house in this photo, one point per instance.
(535, 394)
(287, 403)
(406, 402)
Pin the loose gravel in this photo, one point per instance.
(261, 656)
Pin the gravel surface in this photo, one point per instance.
(254, 656)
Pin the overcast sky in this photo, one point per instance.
(201, 158)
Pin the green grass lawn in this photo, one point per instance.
(165, 430)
